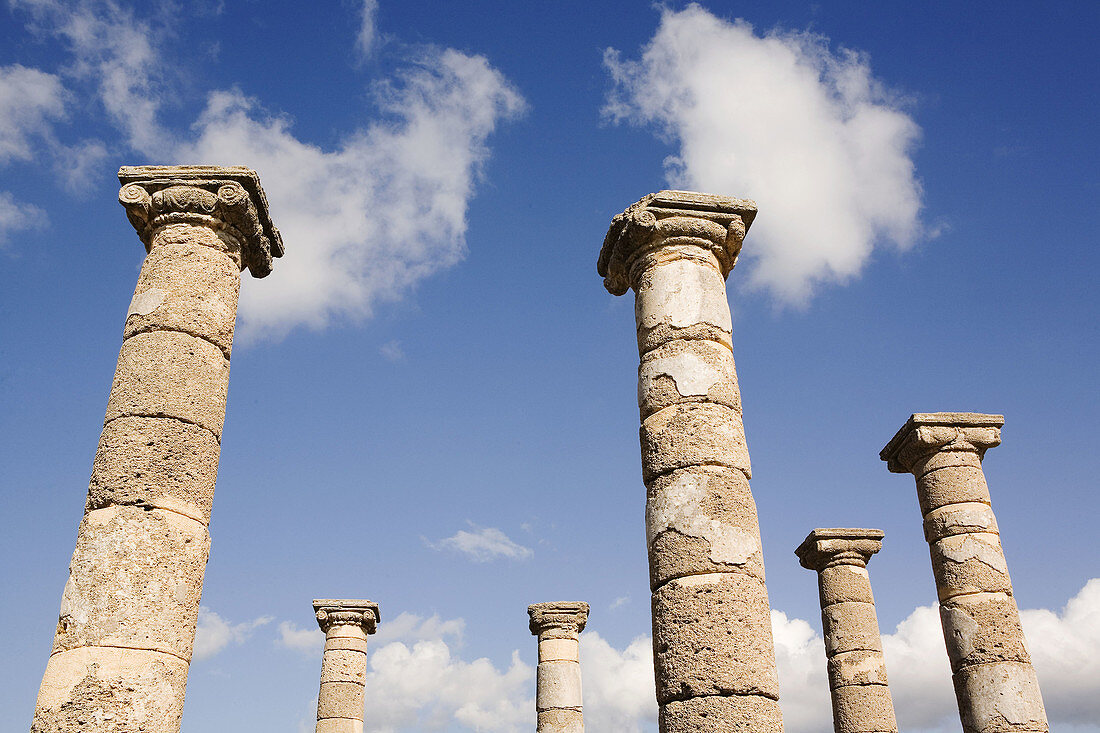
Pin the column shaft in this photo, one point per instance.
(713, 653)
(346, 624)
(558, 700)
(996, 686)
(853, 647)
(129, 611)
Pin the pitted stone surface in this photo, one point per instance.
(862, 667)
(850, 627)
(712, 636)
(863, 709)
(134, 581)
(969, 563)
(171, 374)
(956, 519)
(700, 434)
(722, 714)
(687, 371)
(155, 462)
(1000, 698)
(984, 628)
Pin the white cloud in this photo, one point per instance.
(214, 633)
(29, 100)
(618, 685)
(309, 641)
(483, 544)
(809, 133)
(411, 627)
(803, 685)
(619, 602)
(368, 27)
(392, 351)
(16, 216)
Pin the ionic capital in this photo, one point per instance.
(336, 612)
(226, 199)
(926, 433)
(825, 548)
(714, 226)
(570, 616)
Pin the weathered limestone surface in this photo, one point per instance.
(995, 684)
(346, 624)
(558, 626)
(130, 607)
(853, 647)
(713, 653)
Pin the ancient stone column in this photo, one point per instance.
(853, 647)
(130, 606)
(712, 642)
(558, 678)
(346, 624)
(995, 684)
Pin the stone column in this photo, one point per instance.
(712, 641)
(995, 684)
(558, 684)
(853, 647)
(346, 625)
(130, 607)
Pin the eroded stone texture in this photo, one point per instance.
(346, 624)
(711, 625)
(995, 685)
(853, 646)
(129, 611)
(558, 699)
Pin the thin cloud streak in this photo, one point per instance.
(483, 544)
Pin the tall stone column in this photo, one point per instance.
(346, 624)
(129, 610)
(995, 684)
(853, 647)
(558, 627)
(712, 641)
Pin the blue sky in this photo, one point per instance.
(432, 401)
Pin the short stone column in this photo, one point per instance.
(853, 647)
(130, 607)
(558, 627)
(712, 641)
(346, 624)
(995, 684)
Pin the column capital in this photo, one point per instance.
(825, 548)
(716, 223)
(934, 432)
(338, 612)
(567, 615)
(225, 198)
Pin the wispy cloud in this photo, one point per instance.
(809, 133)
(215, 633)
(483, 544)
(30, 100)
(368, 27)
(17, 216)
(392, 351)
(364, 220)
(619, 602)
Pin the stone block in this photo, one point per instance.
(722, 714)
(693, 434)
(560, 720)
(702, 520)
(186, 287)
(340, 700)
(681, 299)
(134, 581)
(559, 650)
(969, 563)
(861, 667)
(712, 636)
(952, 485)
(111, 690)
(850, 627)
(344, 665)
(155, 462)
(844, 584)
(954, 519)
(339, 725)
(170, 374)
(558, 685)
(687, 371)
(1000, 698)
(863, 709)
(980, 628)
